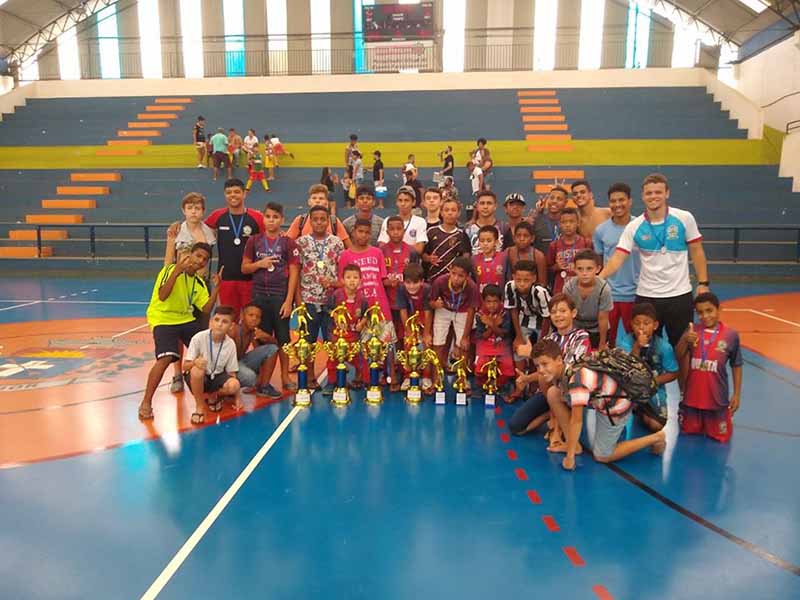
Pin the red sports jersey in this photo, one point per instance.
(397, 257)
(491, 270)
(707, 384)
(559, 249)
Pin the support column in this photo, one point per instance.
(662, 36)
(171, 51)
(48, 62)
(213, 39)
(615, 36)
(568, 37)
(298, 27)
(255, 41)
(342, 36)
(475, 36)
(500, 37)
(89, 49)
(523, 36)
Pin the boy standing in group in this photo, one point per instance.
(446, 242)
(528, 304)
(356, 304)
(514, 204)
(486, 214)
(219, 146)
(491, 265)
(592, 297)
(416, 230)
(547, 223)
(319, 257)
(317, 196)
(273, 260)
(432, 203)
(210, 365)
(589, 215)
(177, 292)
(524, 249)
(562, 251)
(398, 255)
(365, 202)
(704, 352)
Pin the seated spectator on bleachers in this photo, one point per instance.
(666, 237)
(589, 215)
(605, 240)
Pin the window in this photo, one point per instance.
(192, 38)
(684, 46)
(68, 62)
(150, 38)
(454, 18)
(233, 19)
(108, 41)
(638, 40)
(544, 35)
(591, 40)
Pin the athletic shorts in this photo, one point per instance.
(621, 313)
(442, 319)
(236, 294)
(257, 176)
(606, 433)
(210, 384)
(168, 338)
(716, 424)
(221, 159)
(271, 321)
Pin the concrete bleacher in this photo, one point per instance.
(614, 113)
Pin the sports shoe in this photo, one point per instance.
(267, 390)
(176, 387)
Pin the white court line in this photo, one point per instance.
(762, 314)
(115, 336)
(194, 539)
(21, 305)
(53, 301)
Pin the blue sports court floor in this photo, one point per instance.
(388, 502)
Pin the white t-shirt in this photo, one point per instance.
(416, 231)
(664, 252)
(250, 142)
(476, 179)
(185, 240)
(224, 359)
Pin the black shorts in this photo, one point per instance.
(168, 338)
(646, 409)
(210, 384)
(674, 314)
(271, 321)
(221, 159)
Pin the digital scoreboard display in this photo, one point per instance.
(398, 22)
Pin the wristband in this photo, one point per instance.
(705, 283)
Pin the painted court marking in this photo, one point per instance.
(763, 314)
(117, 335)
(31, 303)
(190, 544)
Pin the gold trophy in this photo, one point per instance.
(461, 369)
(413, 360)
(343, 352)
(375, 353)
(412, 330)
(492, 370)
(438, 374)
(304, 352)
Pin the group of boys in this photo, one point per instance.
(535, 293)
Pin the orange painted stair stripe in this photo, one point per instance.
(539, 109)
(548, 137)
(146, 124)
(128, 143)
(543, 118)
(530, 93)
(139, 133)
(80, 204)
(25, 252)
(564, 148)
(173, 100)
(543, 188)
(95, 177)
(529, 101)
(163, 107)
(53, 219)
(30, 234)
(555, 174)
(546, 127)
(78, 190)
(155, 115)
(118, 152)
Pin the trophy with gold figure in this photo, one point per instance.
(492, 370)
(412, 330)
(342, 352)
(437, 372)
(414, 361)
(461, 369)
(375, 353)
(305, 353)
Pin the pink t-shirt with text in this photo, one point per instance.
(373, 271)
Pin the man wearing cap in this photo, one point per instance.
(514, 205)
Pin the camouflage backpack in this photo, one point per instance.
(633, 375)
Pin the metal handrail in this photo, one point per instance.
(792, 125)
(147, 227)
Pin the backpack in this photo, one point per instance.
(302, 222)
(632, 374)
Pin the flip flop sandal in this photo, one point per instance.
(198, 418)
(216, 406)
(145, 414)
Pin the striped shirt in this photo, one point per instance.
(574, 344)
(446, 246)
(588, 387)
(532, 306)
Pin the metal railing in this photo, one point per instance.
(736, 240)
(792, 126)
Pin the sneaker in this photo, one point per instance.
(328, 389)
(405, 385)
(268, 390)
(176, 387)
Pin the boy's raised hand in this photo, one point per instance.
(691, 335)
(183, 263)
(216, 278)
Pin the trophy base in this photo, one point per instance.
(490, 400)
(374, 395)
(439, 398)
(302, 398)
(414, 395)
(341, 397)
(461, 399)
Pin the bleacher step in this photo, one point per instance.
(95, 177)
(128, 143)
(146, 124)
(24, 252)
(53, 219)
(163, 107)
(78, 204)
(28, 235)
(83, 190)
(173, 100)
(153, 115)
(126, 133)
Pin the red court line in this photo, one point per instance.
(574, 557)
(505, 438)
(602, 593)
(501, 423)
(521, 474)
(534, 497)
(498, 410)
(511, 455)
(550, 523)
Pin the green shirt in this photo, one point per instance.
(219, 142)
(189, 291)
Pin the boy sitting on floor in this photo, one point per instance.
(568, 398)
(256, 365)
(177, 292)
(211, 366)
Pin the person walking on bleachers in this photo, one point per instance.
(219, 146)
(666, 238)
(589, 215)
(199, 139)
